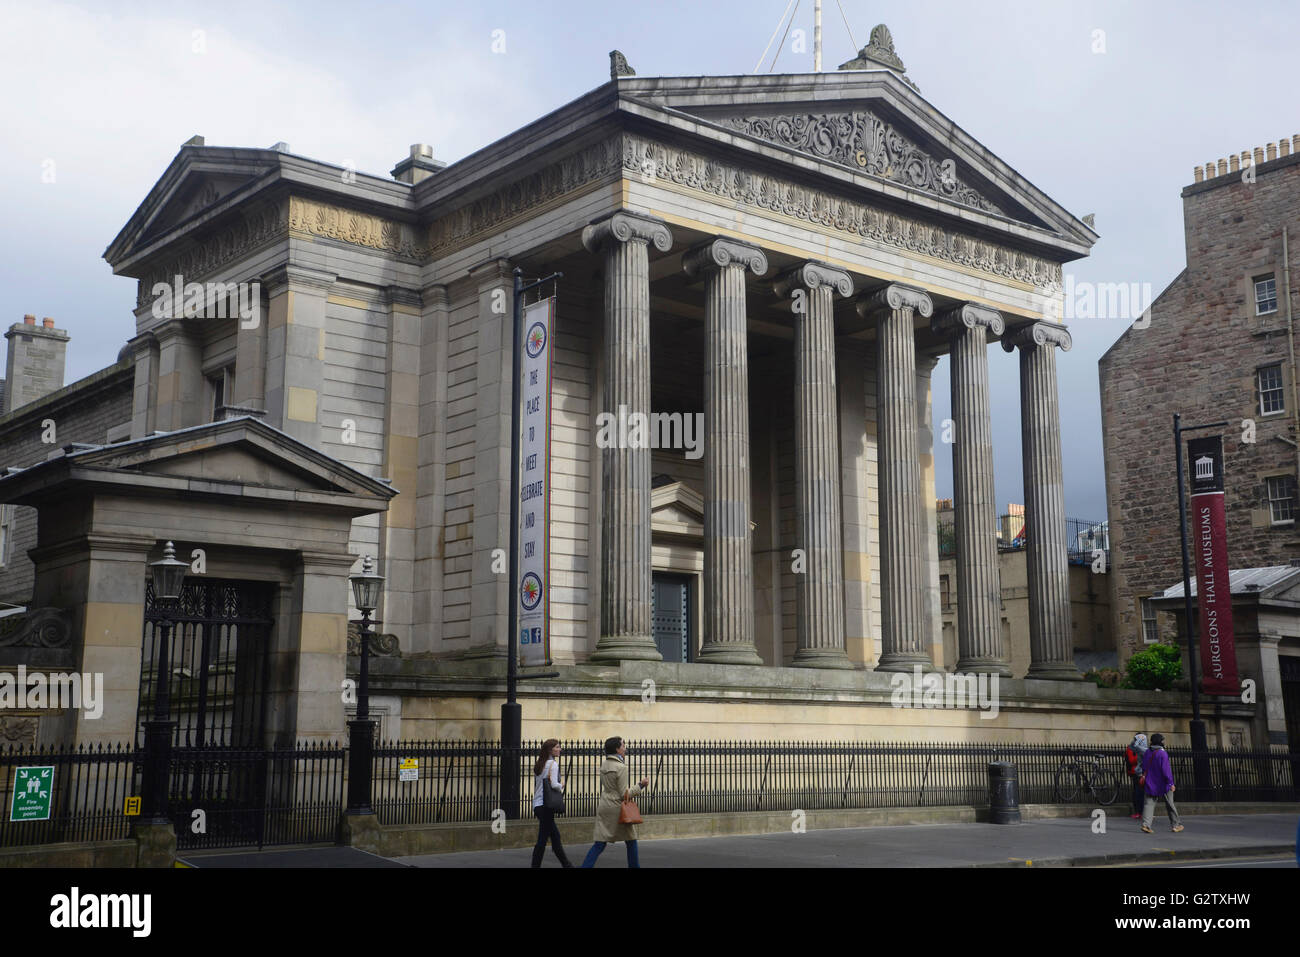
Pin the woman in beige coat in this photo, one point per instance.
(613, 786)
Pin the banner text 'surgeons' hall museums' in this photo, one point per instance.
(782, 259)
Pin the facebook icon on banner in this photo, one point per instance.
(530, 636)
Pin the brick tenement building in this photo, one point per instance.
(1219, 346)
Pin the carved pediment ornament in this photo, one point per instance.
(748, 187)
(38, 628)
(18, 730)
(381, 646)
(863, 141)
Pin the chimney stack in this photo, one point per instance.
(420, 165)
(35, 364)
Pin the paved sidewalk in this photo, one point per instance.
(1055, 842)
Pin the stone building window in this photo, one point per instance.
(1150, 627)
(1268, 380)
(221, 384)
(1265, 295)
(6, 532)
(1281, 499)
(945, 592)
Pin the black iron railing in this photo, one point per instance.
(296, 795)
(88, 788)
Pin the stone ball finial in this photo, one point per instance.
(618, 65)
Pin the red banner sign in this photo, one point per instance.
(1210, 548)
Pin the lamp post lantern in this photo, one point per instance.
(167, 575)
(366, 588)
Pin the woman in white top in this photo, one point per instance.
(547, 767)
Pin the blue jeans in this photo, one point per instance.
(599, 846)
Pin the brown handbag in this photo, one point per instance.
(628, 812)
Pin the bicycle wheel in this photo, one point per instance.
(1102, 786)
(1067, 784)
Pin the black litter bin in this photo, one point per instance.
(1004, 793)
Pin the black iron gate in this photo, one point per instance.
(218, 658)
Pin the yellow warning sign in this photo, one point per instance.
(132, 808)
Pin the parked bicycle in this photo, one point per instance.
(1085, 775)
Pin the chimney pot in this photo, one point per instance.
(1272, 151)
(47, 322)
(1284, 147)
(1234, 163)
(422, 149)
(1259, 155)
(1223, 166)
(1197, 174)
(29, 319)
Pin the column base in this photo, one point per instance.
(904, 662)
(615, 648)
(1054, 672)
(729, 653)
(822, 658)
(983, 666)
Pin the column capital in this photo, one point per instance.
(1038, 334)
(954, 322)
(720, 252)
(896, 296)
(623, 226)
(403, 296)
(813, 275)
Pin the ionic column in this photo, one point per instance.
(1050, 645)
(979, 587)
(819, 591)
(905, 642)
(624, 238)
(728, 559)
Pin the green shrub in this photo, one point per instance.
(1156, 668)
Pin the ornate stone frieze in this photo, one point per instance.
(717, 253)
(256, 227)
(968, 316)
(1038, 334)
(38, 628)
(650, 160)
(359, 229)
(596, 162)
(863, 141)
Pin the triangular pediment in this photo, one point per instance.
(198, 194)
(198, 184)
(677, 509)
(236, 452)
(871, 125)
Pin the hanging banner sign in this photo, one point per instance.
(535, 486)
(1210, 553)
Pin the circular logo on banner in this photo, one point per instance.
(530, 591)
(536, 340)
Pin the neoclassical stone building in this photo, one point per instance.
(786, 256)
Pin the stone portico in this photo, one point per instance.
(786, 257)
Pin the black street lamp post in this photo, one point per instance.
(168, 578)
(366, 587)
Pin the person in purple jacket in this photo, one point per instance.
(1158, 782)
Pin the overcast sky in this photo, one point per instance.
(108, 92)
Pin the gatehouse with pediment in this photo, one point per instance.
(786, 256)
